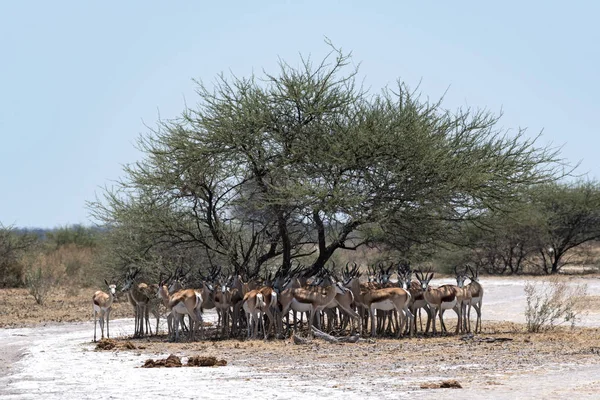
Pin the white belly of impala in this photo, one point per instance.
(448, 304)
(180, 309)
(385, 305)
(300, 307)
(419, 304)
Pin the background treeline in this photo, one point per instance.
(65, 255)
(554, 228)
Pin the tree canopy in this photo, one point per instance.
(305, 162)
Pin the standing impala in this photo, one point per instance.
(475, 297)
(417, 301)
(139, 295)
(440, 299)
(387, 299)
(309, 299)
(256, 304)
(102, 304)
(186, 301)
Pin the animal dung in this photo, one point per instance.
(169, 362)
(111, 344)
(198, 361)
(194, 361)
(106, 344)
(450, 384)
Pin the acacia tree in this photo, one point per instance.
(306, 162)
(505, 242)
(571, 213)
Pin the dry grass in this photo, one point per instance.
(63, 304)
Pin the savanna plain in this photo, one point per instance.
(48, 351)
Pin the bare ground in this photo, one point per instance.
(504, 361)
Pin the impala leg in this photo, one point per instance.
(411, 318)
(107, 319)
(250, 322)
(101, 316)
(262, 320)
(157, 320)
(429, 317)
(140, 327)
(271, 322)
(434, 311)
(443, 326)
(373, 332)
(95, 319)
(176, 317)
(458, 311)
(478, 321)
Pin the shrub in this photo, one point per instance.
(41, 276)
(39, 284)
(552, 303)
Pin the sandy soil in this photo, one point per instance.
(60, 361)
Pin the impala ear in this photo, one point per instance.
(430, 276)
(106, 282)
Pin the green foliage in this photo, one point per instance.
(550, 222)
(571, 214)
(76, 234)
(265, 170)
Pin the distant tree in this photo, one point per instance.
(305, 162)
(505, 242)
(75, 234)
(571, 213)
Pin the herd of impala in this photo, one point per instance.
(333, 304)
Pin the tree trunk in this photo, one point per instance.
(285, 242)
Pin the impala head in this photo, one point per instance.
(474, 274)
(339, 288)
(371, 274)
(461, 277)
(348, 274)
(208, 291)
(224, 285)
(112, 288)
(404, 274)
(385, 273)
(129, 279)
(162, 285)
(424, 279)
(174, 286)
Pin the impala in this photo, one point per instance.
(475, 292)
(186, 301)
(417, 301)
(388, 299)
(256, 303)
(139, 295)
(440, 299)
(309, 299)
(102, 304)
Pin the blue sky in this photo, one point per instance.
(78, 79)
